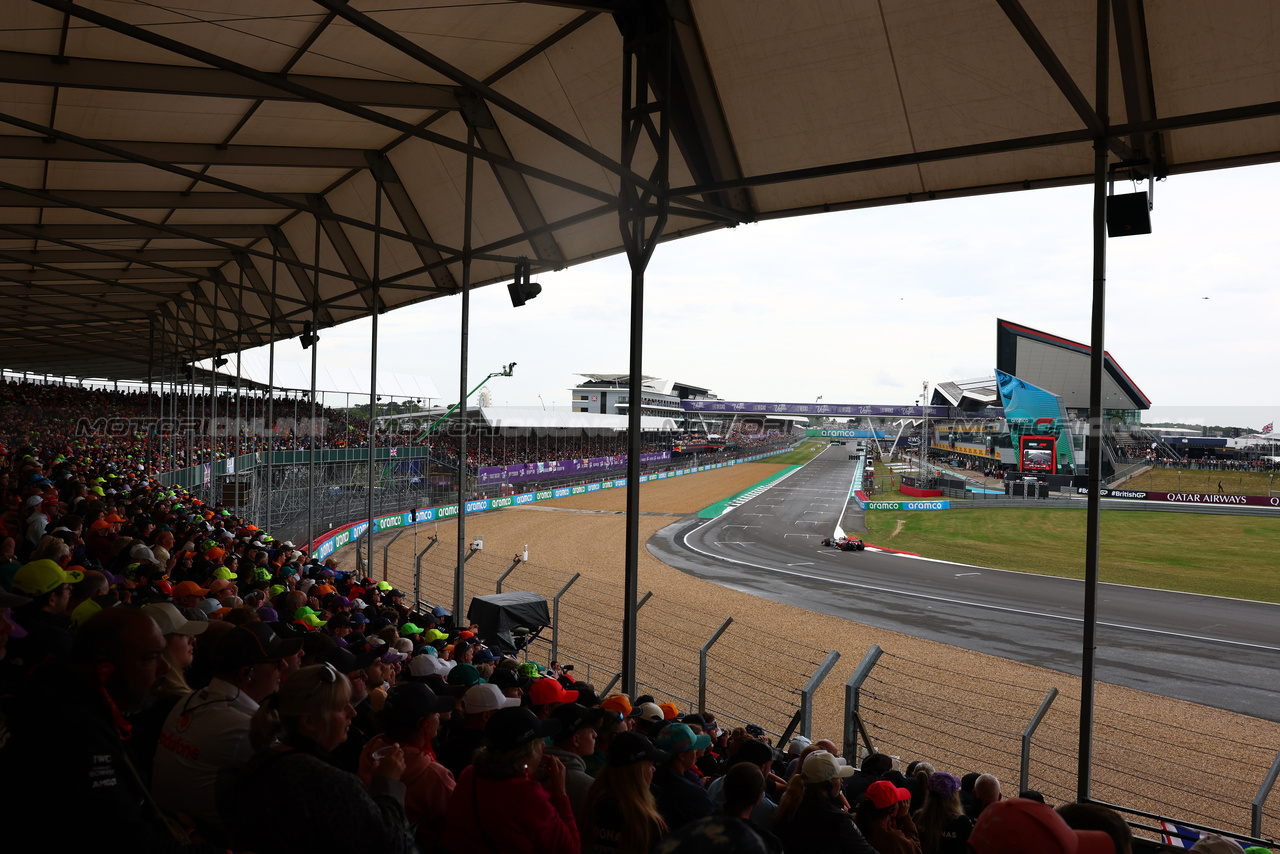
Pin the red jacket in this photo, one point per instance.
(516, 815)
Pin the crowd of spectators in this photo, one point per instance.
(173, 678)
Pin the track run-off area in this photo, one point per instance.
(1215, 651)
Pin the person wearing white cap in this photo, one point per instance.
(179, 651)
(461, 740)
(809, 816)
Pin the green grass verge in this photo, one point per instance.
(1217, 555)
(1193, 480)
(807, 450)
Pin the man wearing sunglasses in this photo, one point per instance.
(208, 730)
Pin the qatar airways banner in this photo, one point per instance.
(523, 473)
(1203, 498)
(743, 407)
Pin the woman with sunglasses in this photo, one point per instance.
(291, 783)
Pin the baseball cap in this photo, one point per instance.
(545, 690)
(505, 679)
(439, 611)
(628, 748)
(486, 698)
(617, 703)
(821, 766)
(434, 635)
(669, 711)
(465, 674)
(1018, 824)
(171, 620)
(411, 702)
(514, 727)
(647, 712)
(189, 588)
(251, 643)
(574, 716)
(797, 745)
(410, 629)
(677, 738)
(422, 666)
(882, 793)
(42, 576)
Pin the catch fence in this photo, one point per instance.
(1163, 759)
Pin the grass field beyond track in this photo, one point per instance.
(1237, 556)
(807, 450)
(1193, 480)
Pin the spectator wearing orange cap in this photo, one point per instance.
(546, 694)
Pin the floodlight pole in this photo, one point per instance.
(1094, 439)
(642, 215)
(311, 432)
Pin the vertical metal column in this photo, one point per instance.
(373, 350)
(702, 664)
(151, 357)
(460, 573)
(271, 393)
(810, 688)
(1094, 441)
(417, 572)
(853, 701)
(555, 619)
(315, 346)
(1024, 769)
(641, 218)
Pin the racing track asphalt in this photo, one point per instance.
(1219, 652)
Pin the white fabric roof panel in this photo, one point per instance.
(866, 92)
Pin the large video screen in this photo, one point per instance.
(1039, 454)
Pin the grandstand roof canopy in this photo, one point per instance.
(169, 177)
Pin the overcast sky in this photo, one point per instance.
(863, 306)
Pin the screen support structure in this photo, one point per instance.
(1097, 357)
(646, 68)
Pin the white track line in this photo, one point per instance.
(950, 601)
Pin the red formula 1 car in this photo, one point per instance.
(845, 544)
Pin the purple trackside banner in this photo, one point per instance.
(854, 409)
(522, 473)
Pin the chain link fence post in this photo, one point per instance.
(807, 692)
(702, 664)
(1024, 770)
(852, 699)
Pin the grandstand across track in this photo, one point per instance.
(1211, 650)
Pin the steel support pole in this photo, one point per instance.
(373, 349)
(810, 687)
(417, 571)
(387, 548)
(151, 357)
(1094, 443)
(311, 433)
(1024, 770)
(555, 619)
(1264, 791)
(510, 569)
(271, 394)
(642, 218)
(852, 702)
(702, 664)
(460, 574)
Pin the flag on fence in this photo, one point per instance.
(393, 452)
(1266, 428)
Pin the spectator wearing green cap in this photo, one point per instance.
(45, 617)
(679, 799)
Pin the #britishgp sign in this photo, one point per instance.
(1201, 498)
